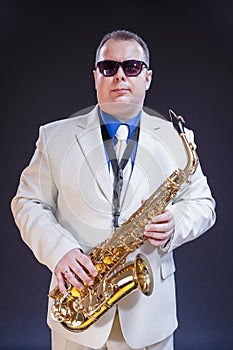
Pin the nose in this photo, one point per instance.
(120, 75)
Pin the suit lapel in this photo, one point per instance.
(143, 163)
(89, 138)
(146, 175)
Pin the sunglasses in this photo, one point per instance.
(131, 68)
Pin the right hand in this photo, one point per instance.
(76, 268)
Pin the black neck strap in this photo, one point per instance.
(118, 168)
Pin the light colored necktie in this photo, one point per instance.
(121, 136)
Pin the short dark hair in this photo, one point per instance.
(124, 35)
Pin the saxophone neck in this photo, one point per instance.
(192, 163)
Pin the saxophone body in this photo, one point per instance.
(77, 310)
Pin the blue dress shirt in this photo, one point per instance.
(112, 124)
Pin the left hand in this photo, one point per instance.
(161, 228)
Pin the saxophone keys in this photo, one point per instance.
(129, 240)
(118, 250)
(143, 222)
(90, 304)
(150, 215)
(108, 260)
(64, 312)
(76, 319)
(75, 292)
(77, 306)
(100, 267)
(56, 313)
(57, 317)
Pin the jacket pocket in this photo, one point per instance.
(167, 266)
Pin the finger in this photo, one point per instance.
(87, 263)
(158, 236)
(80, 274)
(159, 227)
(157, 243)
(74, 280)
(163, 217)
(61, 283)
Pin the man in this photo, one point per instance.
(66, 202)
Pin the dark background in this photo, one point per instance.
(47, 53)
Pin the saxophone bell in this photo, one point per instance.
(144, 275)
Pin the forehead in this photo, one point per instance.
(121, 50)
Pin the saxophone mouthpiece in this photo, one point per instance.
(177, 121)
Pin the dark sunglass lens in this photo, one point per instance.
(132, 68)
(108, 68)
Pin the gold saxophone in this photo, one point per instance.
(79, 309)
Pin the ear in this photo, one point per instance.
(95, 75)
(148, 79)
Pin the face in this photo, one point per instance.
(119, 95)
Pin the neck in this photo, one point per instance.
(121, 111)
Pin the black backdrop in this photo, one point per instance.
(47, 51)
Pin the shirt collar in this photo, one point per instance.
(112, 123)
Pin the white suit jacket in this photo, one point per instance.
(64, 201)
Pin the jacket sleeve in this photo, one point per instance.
(193, 207)
(34, 210)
